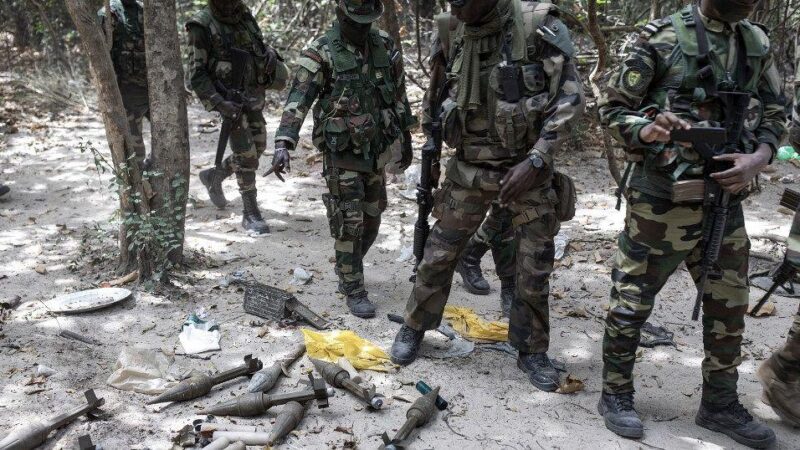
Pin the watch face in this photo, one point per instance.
(536, 161)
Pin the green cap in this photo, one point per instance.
(362, 11)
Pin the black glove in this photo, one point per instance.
(229, 110)
(408, 152)
(271, 62)
(281, 161)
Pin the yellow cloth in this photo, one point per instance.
(362, 354)
(470, 325)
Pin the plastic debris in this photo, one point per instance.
(44, 371)
(406, 254)
(300, 277)
(362, 354)
(412, 176)
(561, 241)
(471, 326)
(143, 370)
(199, 336)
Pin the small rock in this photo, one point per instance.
(276, 225)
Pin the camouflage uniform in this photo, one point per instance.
(487, 147)
(497, 233)
(659, 73)
(210, 40)
(128, 56)
(360, 109)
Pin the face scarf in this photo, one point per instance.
(354, 32)
(732, 11)
(227, 11)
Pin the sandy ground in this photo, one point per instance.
(58, 218)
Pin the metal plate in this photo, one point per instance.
(86, 301)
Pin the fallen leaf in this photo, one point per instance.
(769, 309)
(40, 269)
(345, 430)
(598, 258)
(36, 380)
(571, 385)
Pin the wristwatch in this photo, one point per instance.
(536, 161)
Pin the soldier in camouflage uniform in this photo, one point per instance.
(354, 78)
(655, 90)
(504, 163)
(215, 32)
(128, 56)
(780, 374)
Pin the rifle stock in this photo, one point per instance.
(233, 93)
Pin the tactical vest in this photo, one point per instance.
(244, 35)
(128, 49)
(356, 116)
(687, 97)
(499, 131)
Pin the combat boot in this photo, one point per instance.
(406, 345)
(360, 306)
(781, 389)
(736, 422)
(251, 216)
(469, 267)
(508, 290)
(4, 190)
(212, 179)
(540, 370)
(619, 415)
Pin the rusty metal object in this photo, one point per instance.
(276, 304)
(418, 414)
(265, 379)
(340, 378)
(201, 384)
(255, 404)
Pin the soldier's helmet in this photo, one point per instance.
(362, 11)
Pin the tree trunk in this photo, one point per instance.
(168, 120)
(131, 196)
(390, 23)
(425, 8)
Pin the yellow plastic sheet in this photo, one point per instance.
(332, 345)
(471, 326)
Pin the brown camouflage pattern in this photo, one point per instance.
(497, 232)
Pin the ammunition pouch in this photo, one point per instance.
(335, 215)
(452, 125)
(567, 197)
(517, 124)
(352, 133)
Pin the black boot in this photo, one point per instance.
(734, 421)
(251, 216)
(619, 415)
(540, 370)
(212, 179)
(406, 345)
(469, 267)
(508, 289)
(360, 306)
(4, 190)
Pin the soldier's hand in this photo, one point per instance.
(229, 110)
(281, 161)
(408, 152)
(271, 58)
(661, 128)
(518, 180)
(745, 168)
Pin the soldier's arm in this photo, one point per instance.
(620, 105)
(403, 110)
(566, 103)
(308, 81)
(770, 90)
(437, 69)
(199, 77)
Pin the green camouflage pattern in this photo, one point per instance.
(360, 107)
(658, 236)
(137, 107)
(360, 199)
(209, 41)
(497, 232)
(789, 356)
(127, 48)
(663, 60)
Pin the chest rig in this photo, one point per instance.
(697, 96)
(128, 49)
(244, 35)
(355, 116)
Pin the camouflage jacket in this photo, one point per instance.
(359, 102)
(659, 73)
(496, 135)
(127, 49)
(210, 42)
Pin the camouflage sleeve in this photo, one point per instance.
(403, 108)
(199, 77)
(437, 64)
(770, 90)
(620, 104)
(794, 133)
(566, 103)
(309, 79)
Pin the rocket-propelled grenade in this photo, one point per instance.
(264, 380)
(340, 378)
(287, 420)
(255, 404)
(418, 414)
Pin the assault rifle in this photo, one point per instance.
(785, 272)
(717, 200)
(240, 59)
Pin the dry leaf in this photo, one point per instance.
(40, 269)
(36, 380)
(571, 385)
(769, 309)
(578, 312)
(344, 430)
(598, 258)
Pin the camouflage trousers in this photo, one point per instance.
(497, 233)
(658, 236)
(137, 107)
(248, 142)
(354, 208)
(789, 355)
(459, 212)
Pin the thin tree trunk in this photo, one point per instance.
(168, 120)
(116, 124)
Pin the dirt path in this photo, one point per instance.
(60, 208)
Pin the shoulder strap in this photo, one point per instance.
(705, 72)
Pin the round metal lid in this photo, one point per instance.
(85, 301)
